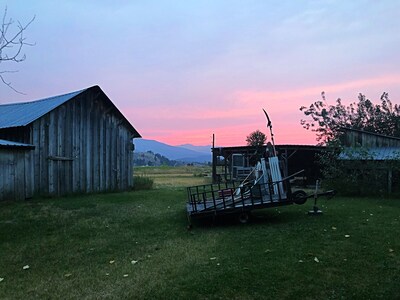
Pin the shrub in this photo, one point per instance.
(142, 183)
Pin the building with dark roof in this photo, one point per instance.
(73, 143)
(235, 163)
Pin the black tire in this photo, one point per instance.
(299, 197)
(243, 217)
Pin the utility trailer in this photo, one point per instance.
(240, 199)
(264, 187)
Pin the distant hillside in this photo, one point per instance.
(172, 152)
(151, 159)
(202, 149)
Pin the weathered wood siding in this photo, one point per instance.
(356, 138)
(81, 147)
(16, 174)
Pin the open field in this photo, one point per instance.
(136, 246)
(172, 177)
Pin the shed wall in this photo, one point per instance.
(81, 147)
(16, 174)
(368, 140)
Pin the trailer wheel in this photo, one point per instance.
(299, 197)
(243, 217)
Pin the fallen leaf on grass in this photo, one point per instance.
(134, 262)
(26, 267)
(347, 235)
(112, 261)
(316, 259)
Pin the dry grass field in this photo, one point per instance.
(176, 177)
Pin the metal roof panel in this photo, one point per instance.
(24, 113)
(381, 153)
(6, 144)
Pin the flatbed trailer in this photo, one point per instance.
(240, 199)
(213, 200)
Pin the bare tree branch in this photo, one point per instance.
(12, 41)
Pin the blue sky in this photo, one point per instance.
(183, 70)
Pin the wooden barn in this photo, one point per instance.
(73, 143)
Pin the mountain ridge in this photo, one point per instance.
(179, 153)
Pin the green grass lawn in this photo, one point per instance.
(136, 246)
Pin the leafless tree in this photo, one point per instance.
(12, 42)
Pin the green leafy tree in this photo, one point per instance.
(327, 120)
(256, 138)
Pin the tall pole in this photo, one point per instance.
(214, 161)
(269, 125)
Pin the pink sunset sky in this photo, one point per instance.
(181, 71)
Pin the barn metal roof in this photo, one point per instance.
(10, 144)
(380, 154)
(24, 113)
